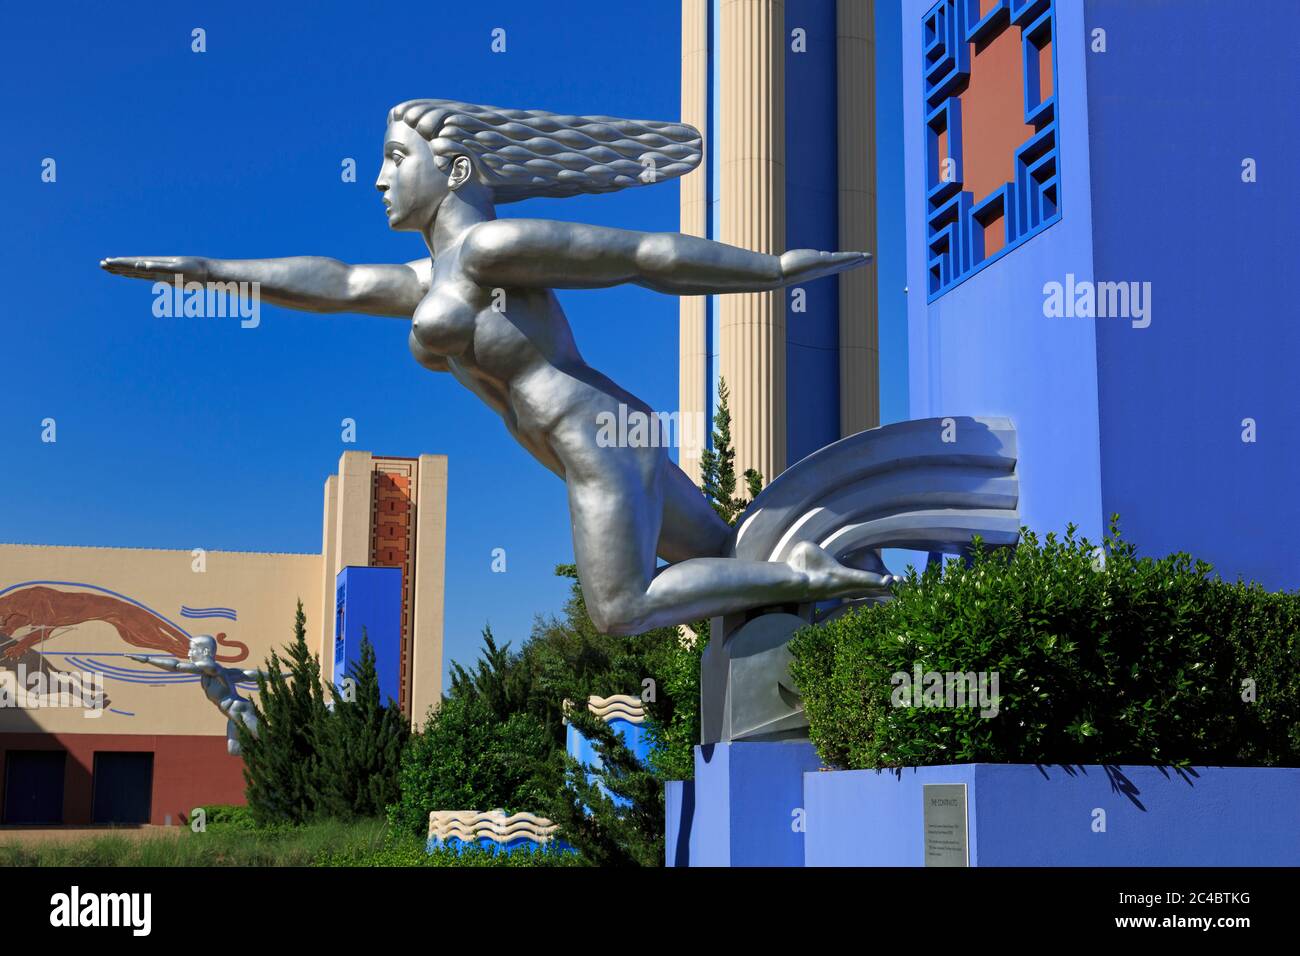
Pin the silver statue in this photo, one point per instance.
(482, 308)
(220, 684)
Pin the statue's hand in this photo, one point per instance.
(193, 268)
(802, 265)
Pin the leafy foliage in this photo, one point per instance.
(674, 726)
(608, 833)
(673, 720)
(281, 763)
(498, 740)
(359, 747)
(469, 757)
(718, 466)
(566, 658)
(1129, 659)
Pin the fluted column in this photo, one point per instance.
(693, 400)
(752, 154)
(859, 345)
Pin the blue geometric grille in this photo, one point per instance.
(957, 220)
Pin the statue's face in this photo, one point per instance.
(202, 649)
(412, 185)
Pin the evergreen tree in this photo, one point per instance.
(497, 679)
(359, 746)
(674, 725)
(280, 763)
(604, 832)
(472, 757)
(566, 658)
(718, 466)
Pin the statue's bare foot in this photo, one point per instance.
(827, 578)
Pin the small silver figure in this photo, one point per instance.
(220, 684)
(482, 309)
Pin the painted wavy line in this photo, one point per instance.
(199, 612)
(146, 674)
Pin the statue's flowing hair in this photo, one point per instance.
(522, 154)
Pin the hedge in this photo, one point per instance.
(1100, 657)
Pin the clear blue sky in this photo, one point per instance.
(185, 433)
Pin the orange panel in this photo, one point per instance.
(1045, 70)
(993, 115)
(995, 235)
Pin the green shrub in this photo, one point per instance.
(406, 850)
(467, 758)
(230, 815)
(1123, 661)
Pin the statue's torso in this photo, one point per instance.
(514, 349)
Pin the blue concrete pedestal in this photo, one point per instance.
(769, 804)
(1027, 815)
(744, 807)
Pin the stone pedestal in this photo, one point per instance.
(1028, 815)
(744, 807)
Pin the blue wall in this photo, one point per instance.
(1181, 96)
(1026, 815)
(1143, 421)
(744, 807)
(812, 339)
(583, 749)
(369, 600)
(985, 347)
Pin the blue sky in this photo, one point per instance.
(185, 433)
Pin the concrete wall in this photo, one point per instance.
(83, 597)
(984, 347)
(1181, 97)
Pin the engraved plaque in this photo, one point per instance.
(944, 821)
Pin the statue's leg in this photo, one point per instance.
(691, 528)
(616, 502)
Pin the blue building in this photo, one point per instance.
(1098, 209)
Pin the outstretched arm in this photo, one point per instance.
(166, 663)
(563, 255)
(310, 283)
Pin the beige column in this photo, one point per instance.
(352, 537)
(427, 592)
(328, 552)
(351, 528)
(859, 346)
(693, 400)
(752, 154)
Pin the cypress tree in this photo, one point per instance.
(280, 763)
(359, 746)
(718, 466)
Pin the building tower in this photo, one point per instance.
(783, 92)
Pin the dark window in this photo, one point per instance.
(34, 786)
(123, 787)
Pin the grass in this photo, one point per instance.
(326, 843)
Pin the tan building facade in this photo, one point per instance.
(784, 93)
(70, 616)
